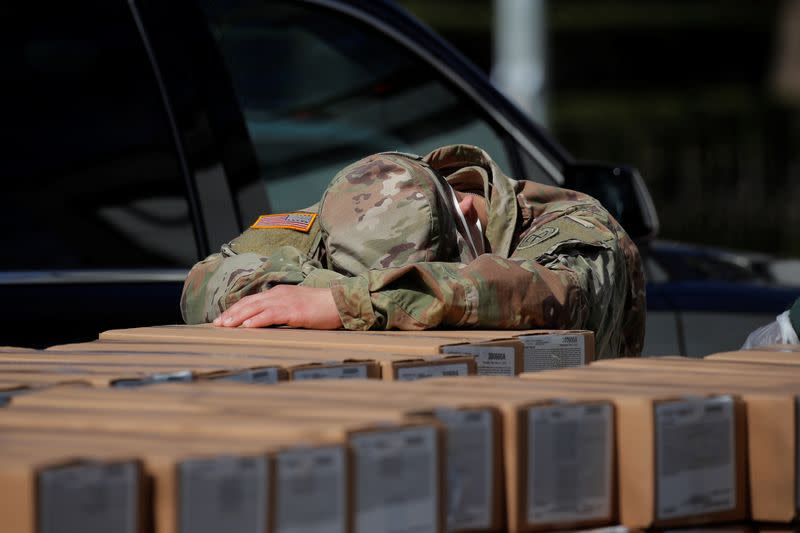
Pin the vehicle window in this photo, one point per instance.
(320, 90)
(533, 171)
(91, 177)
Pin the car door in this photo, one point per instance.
(100, 230)
(322, 84)
(713, 298)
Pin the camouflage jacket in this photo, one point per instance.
(555, 259)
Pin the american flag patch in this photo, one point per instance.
(296, 221)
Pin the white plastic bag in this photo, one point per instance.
(780, 331)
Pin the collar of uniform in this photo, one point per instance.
(499, 189)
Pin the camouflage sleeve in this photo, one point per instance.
(568, 272)
(224, 278)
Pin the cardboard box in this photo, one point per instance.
(7, 390)
(538, 430)
(299, 364)
(412, 494)
(47, 492)
(95, 379)
(284, 337)
(164, 367)
(652, 460)
(15, 349)
(762, 356)
(419, 368)
(475, 430)
(551, 348)
(770, 394)
(218, 485)
(303, 401)
(335, 370)
(777, 348)
(547, 350)
(493, 358)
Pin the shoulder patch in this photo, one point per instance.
(563, 232)
(538, 236)
(298, 221)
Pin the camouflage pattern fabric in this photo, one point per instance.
(556, 259)
(385, 211)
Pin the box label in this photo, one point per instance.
(411, 373)
(182, 376)
(90, 498)
(397, 481)
(470, 464)
(546, 352)
(223, 493)
(696, 457)
(260, 376)
(332, 372)
(490, 360)
(310, 490)
(570, 463)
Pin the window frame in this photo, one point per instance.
(127, 275)
(511, 126)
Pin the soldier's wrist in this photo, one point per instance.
(353, 302)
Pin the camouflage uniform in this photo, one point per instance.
(556, 258)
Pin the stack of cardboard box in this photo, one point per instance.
(703, 433)
(410, 458)
(659, 443)
(342, 456)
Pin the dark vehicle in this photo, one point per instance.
(702, 299)
(143, 134)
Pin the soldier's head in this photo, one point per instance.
(389, 210)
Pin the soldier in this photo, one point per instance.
(447, 240)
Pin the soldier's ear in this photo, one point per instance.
(466, 203)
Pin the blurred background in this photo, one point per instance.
(702, 96)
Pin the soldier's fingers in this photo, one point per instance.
(272, 316)
(244, 309)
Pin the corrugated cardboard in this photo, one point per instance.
(761, 355)
(7, 390)
(493, 358)
(532, 503)
(45, 491)
(95, 379)
(640, 412)
(418, 368)
(298, 363)
(309, 407)
(302, 402)
(286, 337)
(415, 444)
(547, 350)
(39, 379)
(771, 414)
(473, 434)
(544, 348)
(777, 348)
(218, 485)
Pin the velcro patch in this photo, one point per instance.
(296, 221)
(536, 237)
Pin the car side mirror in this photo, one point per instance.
(622, 192)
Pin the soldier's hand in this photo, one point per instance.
(291, 305)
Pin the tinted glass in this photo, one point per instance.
(91, 179)
(320, 90)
